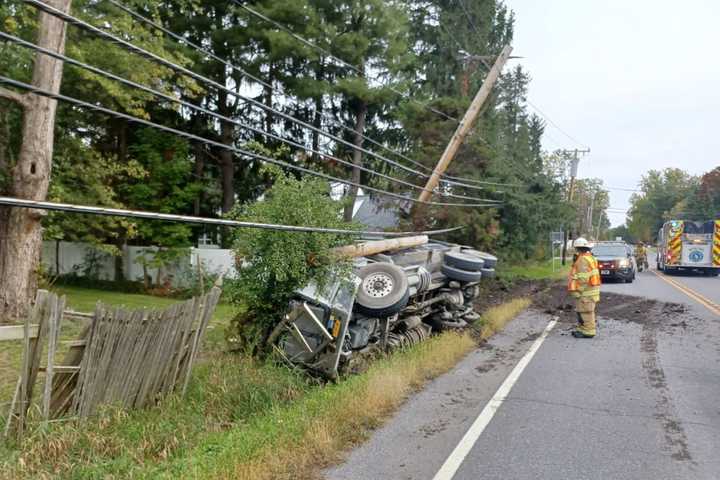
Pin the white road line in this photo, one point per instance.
(453, 462)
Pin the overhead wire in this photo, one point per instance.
(147, 54)
(239, 151)
(535, 107)
(218, 116)
(451, 179)
(448, 179)
(337, 59)
(115, 212)
(557, 127)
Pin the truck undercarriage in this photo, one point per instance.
(391, 300)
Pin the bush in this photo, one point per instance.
(276, 263)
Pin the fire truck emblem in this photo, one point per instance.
(696, 256)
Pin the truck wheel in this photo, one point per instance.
(460, 275)
(488, 273)
(490, 260)
(383, 290)
(464, 261)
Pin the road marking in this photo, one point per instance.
(707, 303)
(453, 462)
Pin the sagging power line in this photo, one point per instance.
(239, 151)
(115, 212)
(545, 116)
(196, 76)
(218, 116)
(450, 180)
(337, 59)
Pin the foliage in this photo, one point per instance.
(621, 231)
(432, 51)
(276, 263)
(241, 418)
(661, 192)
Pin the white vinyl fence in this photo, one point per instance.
(83, 259)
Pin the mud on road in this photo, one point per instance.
(626, 308)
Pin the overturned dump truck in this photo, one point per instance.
(393, 299)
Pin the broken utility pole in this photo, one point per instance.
(465, 124)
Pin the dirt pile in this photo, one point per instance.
(627, 308)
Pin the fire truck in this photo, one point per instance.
(687, 245)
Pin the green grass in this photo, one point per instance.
(84, 300)
(533, 270)
(240, 419)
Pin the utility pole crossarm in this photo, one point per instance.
(465, 124)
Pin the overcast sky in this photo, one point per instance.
(635, 80)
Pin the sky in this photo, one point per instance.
(636, 81)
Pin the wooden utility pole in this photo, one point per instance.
(465, 124)
(575, 155)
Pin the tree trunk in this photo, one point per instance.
(20, 229)
(357, 158)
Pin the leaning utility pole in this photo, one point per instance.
(575, 156)
(465, 124)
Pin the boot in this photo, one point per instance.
(579, 334)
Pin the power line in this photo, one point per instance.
(544, 115)
(194, 107)
(451, 180)
(115, 212)
(622, 189)
(551, 122)
(469, 18)
(138, 16)
(207, 141)
(144, 53)
(337, 59)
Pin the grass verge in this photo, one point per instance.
(534, 270)
(242, 419)
(495, 318)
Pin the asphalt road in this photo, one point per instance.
(640, 401)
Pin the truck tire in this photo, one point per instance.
(488, 273)
(464, 261)
(461, 275)
(383, 290)
(490, 260)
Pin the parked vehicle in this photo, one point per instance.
(616, 260)
(391, 300)
(686, 245)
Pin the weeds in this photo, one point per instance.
(495, 318)
(242, 419)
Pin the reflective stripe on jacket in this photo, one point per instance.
(584, 280)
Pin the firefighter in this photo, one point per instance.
(584, 285)
(641, 255)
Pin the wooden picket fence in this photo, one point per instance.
(125, 358)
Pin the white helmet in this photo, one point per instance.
(581, 242)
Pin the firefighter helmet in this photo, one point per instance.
(581, 242)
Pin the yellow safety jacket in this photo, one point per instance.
(584, 280)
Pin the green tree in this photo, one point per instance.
(661, 192)
(276, 263)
